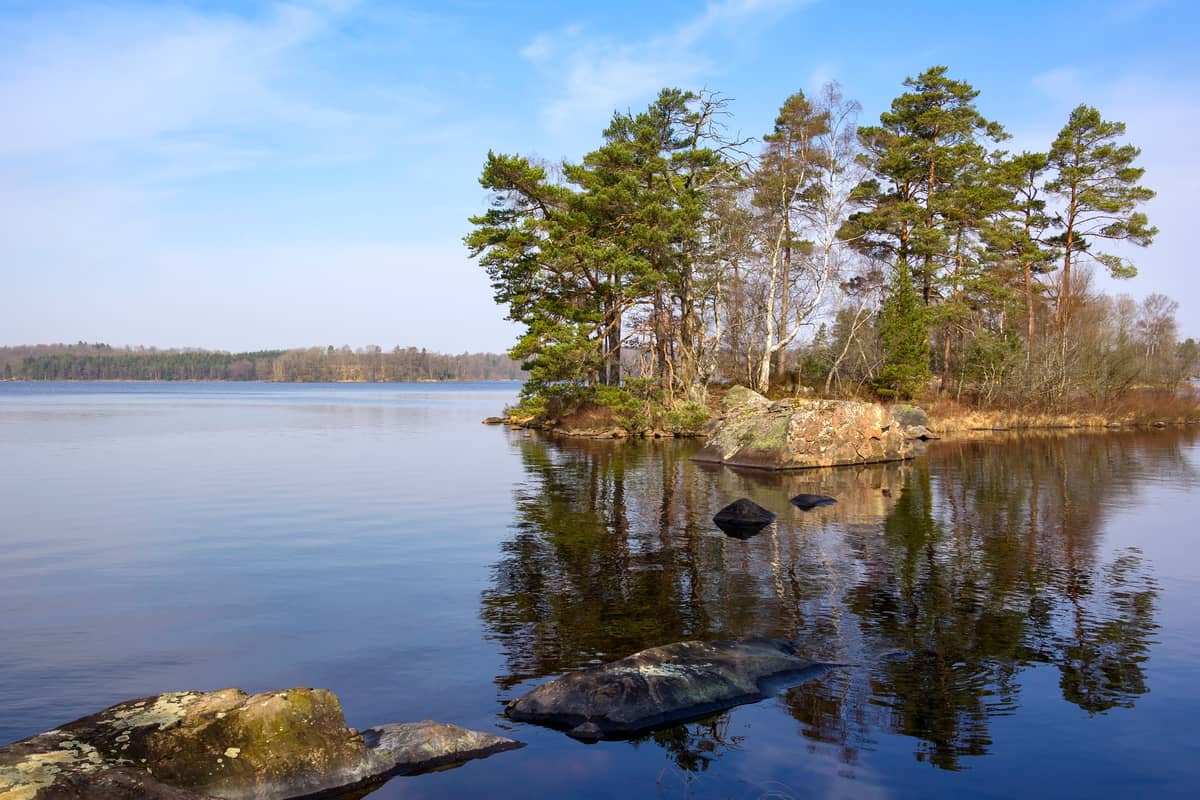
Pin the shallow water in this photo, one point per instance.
(1020, 614)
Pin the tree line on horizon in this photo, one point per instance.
(906, 258)
(371, 364)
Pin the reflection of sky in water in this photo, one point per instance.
(381, 542)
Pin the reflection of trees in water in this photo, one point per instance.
(614, 551)
(944, 579)
(989, 564)
(693, 747)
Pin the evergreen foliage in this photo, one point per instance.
(904, 339)
(672, 255)
(1097, 183)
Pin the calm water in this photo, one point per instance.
(1022, 614)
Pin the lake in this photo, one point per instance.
(1020, 614)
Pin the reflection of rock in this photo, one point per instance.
(807, 502)
(865, 495)
(793, 434)
(225, 744)
(743, 518)
(658, 686)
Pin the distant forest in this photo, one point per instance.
(84, 361)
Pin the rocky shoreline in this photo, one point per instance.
(294, 743)
(956, 423)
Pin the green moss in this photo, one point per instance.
(772, 436)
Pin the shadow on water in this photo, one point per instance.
(940, 580)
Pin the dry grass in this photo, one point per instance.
(589, 416)
(1145, 407)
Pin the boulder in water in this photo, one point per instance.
(807, 502)
(659, 686)
(743, 518)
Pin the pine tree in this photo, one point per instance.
(1096, 181)
(904, 338)
(920, 153)
(1018, 239)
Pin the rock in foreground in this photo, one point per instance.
(795, 434)
(659, 686)
(415, 747)
(226, 744)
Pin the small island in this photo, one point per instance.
(915, 258)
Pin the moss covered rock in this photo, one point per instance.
(225, 744)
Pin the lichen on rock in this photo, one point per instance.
(224, 744)
(658, 686)
(795, 434)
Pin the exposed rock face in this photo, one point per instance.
(121, 783)
(794, 434)
(658, 686)
(743, 518)
(224, 744)
(807, 502)
(413, 747)
(910, 416)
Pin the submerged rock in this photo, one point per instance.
(658, 686)
(743, 518)
(794, 434)
(225, 744)
(807, 502)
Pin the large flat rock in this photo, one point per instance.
(227, 744)
(659, 686)
(798, 434)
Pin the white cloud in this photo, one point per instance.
(108, 235)
(593, 75)
(163, 92)
(106, 77)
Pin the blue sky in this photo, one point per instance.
(247, 175)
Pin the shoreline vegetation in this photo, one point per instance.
(914, 259)
(101, 362)
(1145, 407)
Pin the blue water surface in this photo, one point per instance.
(1019, 616)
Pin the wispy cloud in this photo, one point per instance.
(1160, 117)
(592, 74)
(130, 75)
(1061, 83)
(166, 92)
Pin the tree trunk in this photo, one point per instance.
(1064, 298)
(610, 374)
(785, 277)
